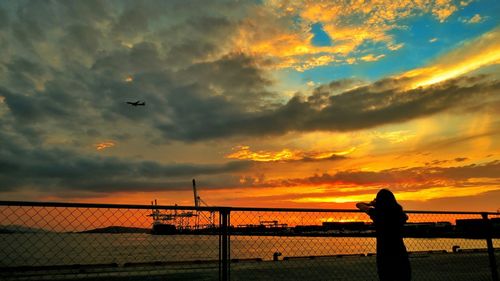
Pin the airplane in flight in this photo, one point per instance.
(136, 103)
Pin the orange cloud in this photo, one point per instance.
(419, 183)
(418, 195)
(442, 12)
(244, 153)
(104, 145)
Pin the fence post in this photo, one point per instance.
(491, 251)
(224, 244)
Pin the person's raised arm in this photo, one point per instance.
(365, 207)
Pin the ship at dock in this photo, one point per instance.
(170, 222)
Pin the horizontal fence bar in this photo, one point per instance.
(216, 208)
(354, 211)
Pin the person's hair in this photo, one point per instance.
(386, 200)
(388, 208)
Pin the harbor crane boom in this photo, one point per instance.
(197, 203)
(195, 193)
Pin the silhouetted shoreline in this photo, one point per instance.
(464, 228)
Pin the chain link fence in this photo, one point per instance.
(59, 241)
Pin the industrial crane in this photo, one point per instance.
(197, 201)
(182, 219)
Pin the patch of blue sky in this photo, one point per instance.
(419, 47)
(371, 47)
(426, 39)
(320, 37)
(487, 9)
(364, 70)
(327, 74)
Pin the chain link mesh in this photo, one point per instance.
(341, 246)
(100, 242)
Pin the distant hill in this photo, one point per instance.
(118, 229)
(5, 231)
(13, 228)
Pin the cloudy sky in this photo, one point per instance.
(265, 103)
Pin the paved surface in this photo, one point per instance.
(425, 267)
(452, 267)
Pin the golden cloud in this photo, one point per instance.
(395, 136)
(443, 11)
(273, 32)
(418, 195)
(371, 57)
(480, 52)
(244, 153)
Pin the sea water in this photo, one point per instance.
(41, 249)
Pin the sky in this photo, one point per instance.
(308, 104)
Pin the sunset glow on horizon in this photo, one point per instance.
(265, 103)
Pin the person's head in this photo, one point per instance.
(385, 199)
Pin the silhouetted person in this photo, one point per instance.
(389, 218)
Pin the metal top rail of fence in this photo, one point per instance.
(218, 208)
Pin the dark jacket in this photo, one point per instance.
(392, 258)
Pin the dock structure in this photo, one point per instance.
(175, 221)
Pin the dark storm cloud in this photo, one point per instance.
(23, 73)
(60, 169)
(234, 77)
(82, 37)
(368, 106)
(196, 40)
(4, 19)
(322, 93)
(56, 102)
(365, 107)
